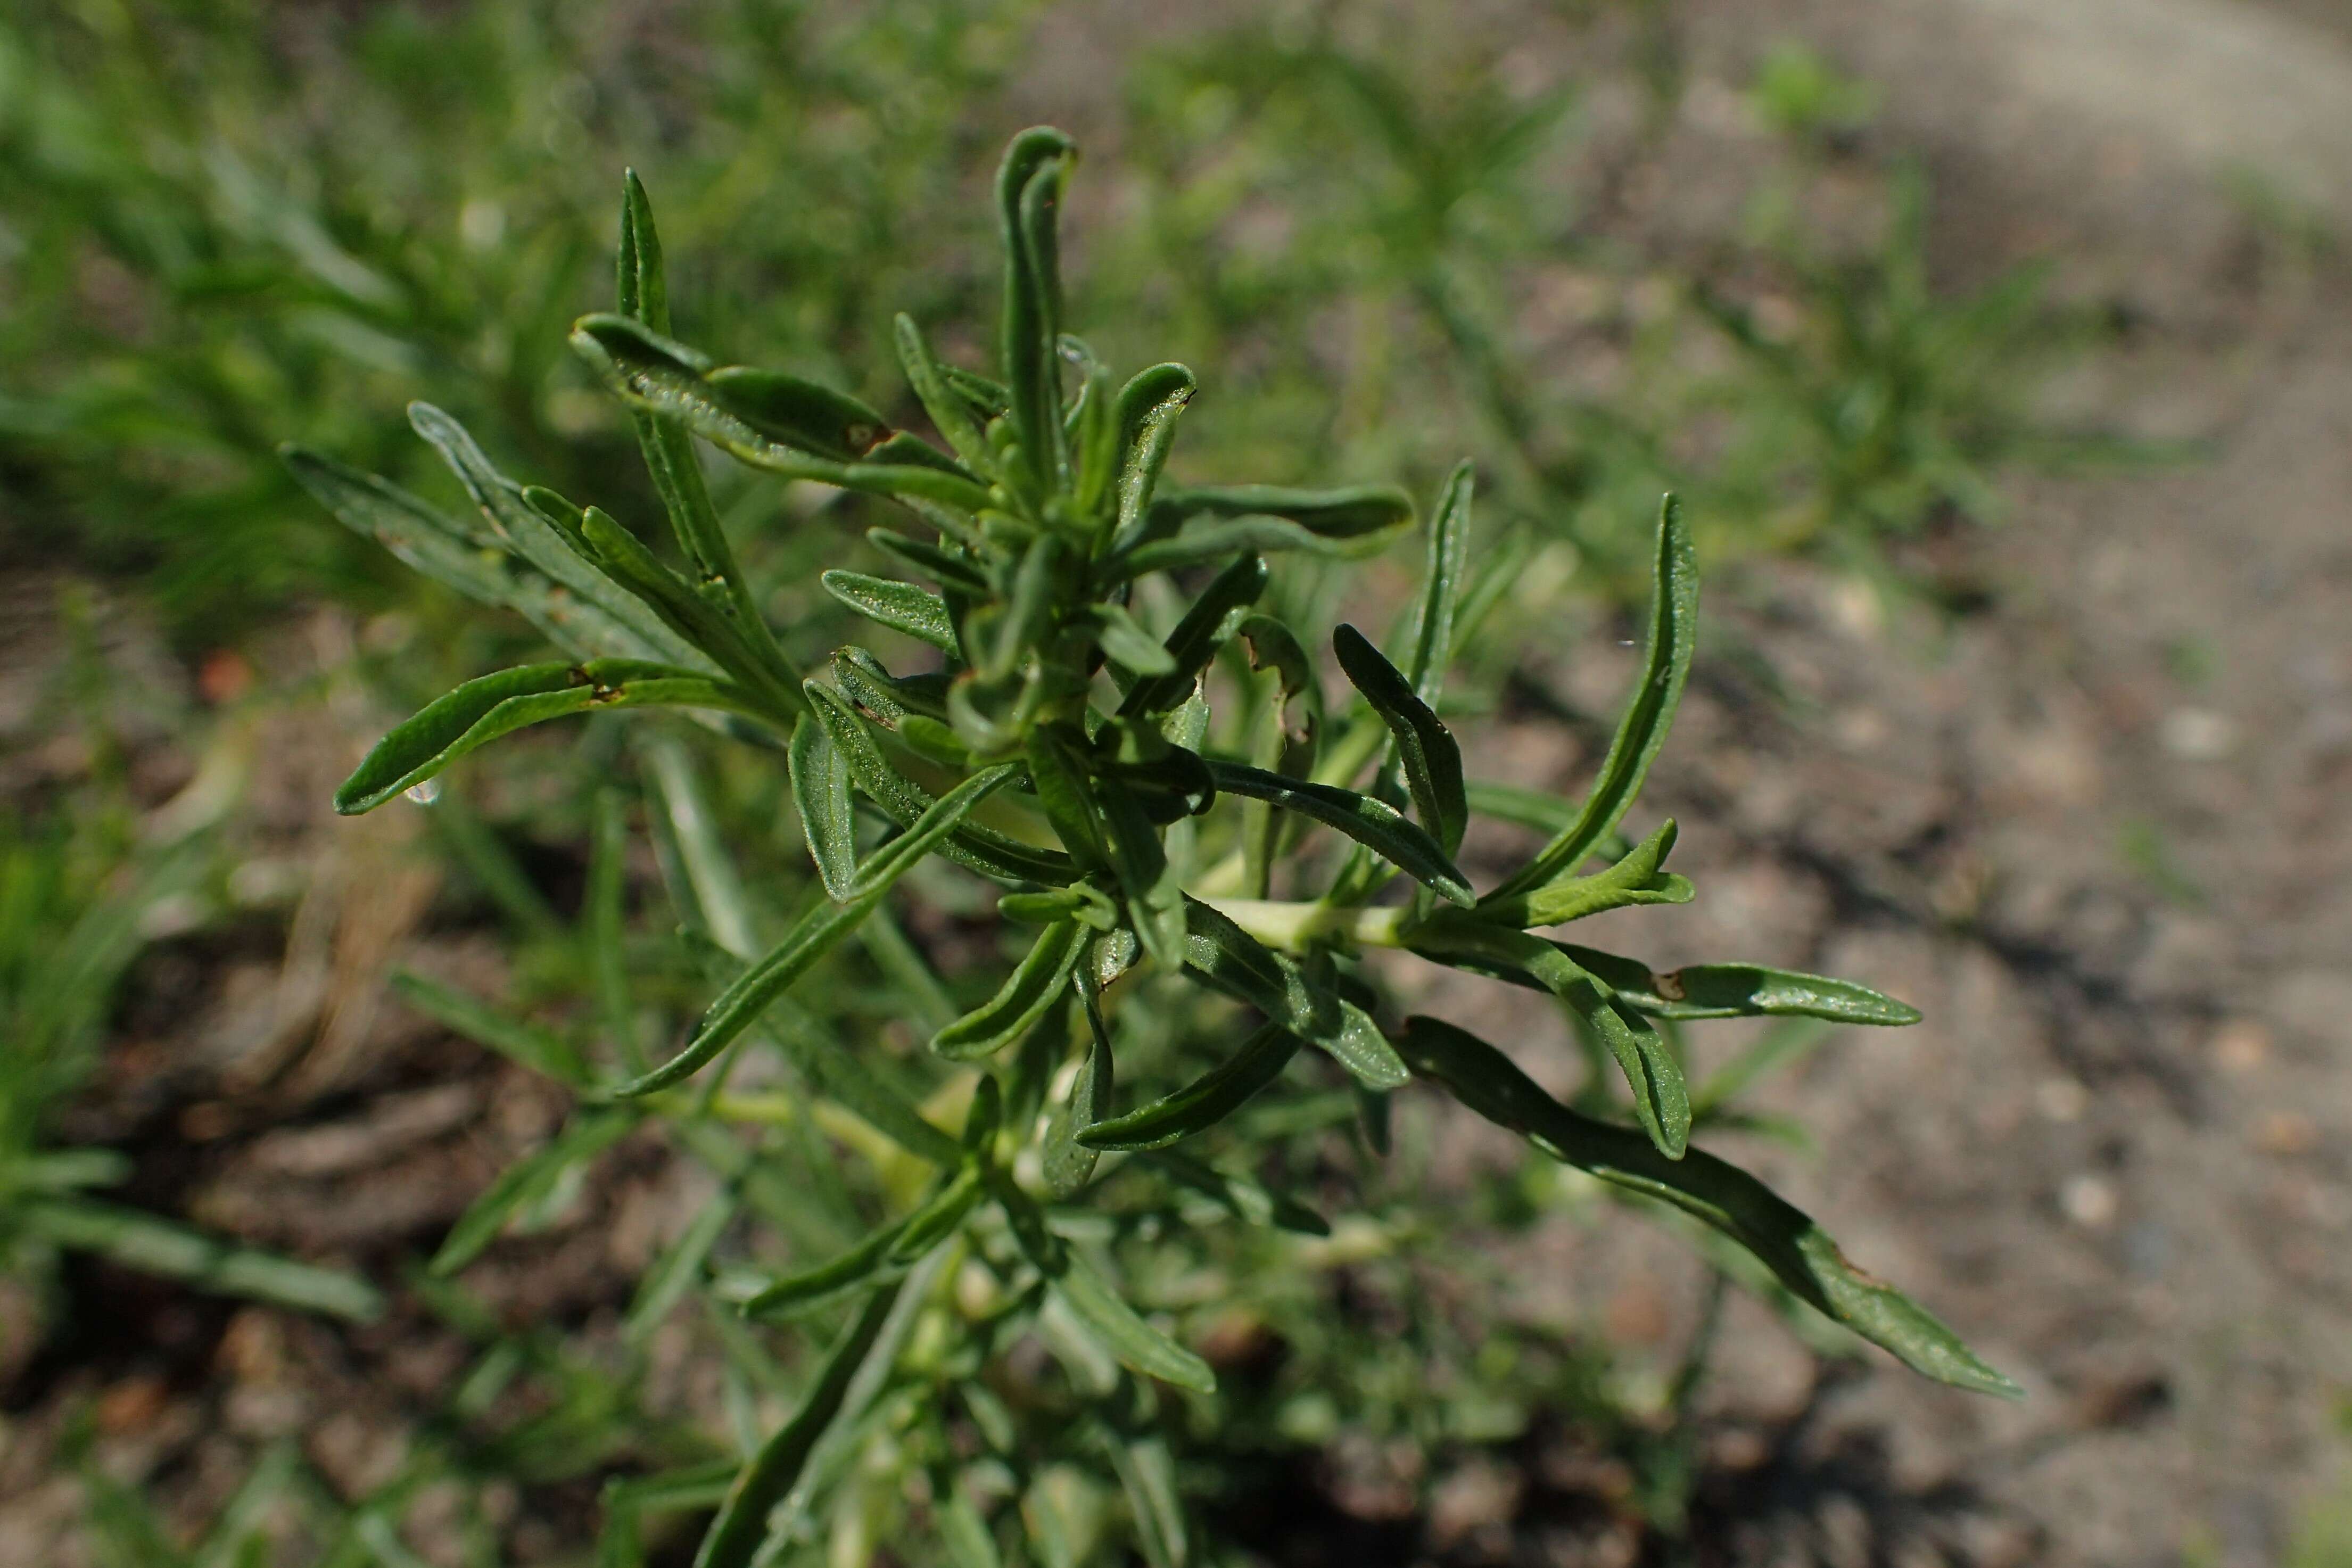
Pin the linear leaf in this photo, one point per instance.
(1353, 512)
(1673, 632)
(1380, 829)
(1212, 618)
(674, 1273)
(710, 627)
(1782, 1236)
(483, 709)
(1149, 406)
(476, 564)
(1147, 1473)
(539, 1050)
(1125, 642)
(1431, 758)
(901, 606)
(1242, 1196)
(668, 379)
(1661, 1094)
(1740, 990)
(742, 1527)
(815, 936)
(1035, 984)
(1069, 1165)
(948, 412)
(152, 1244)
(948, 568)
(820, 784)
(1028, 189)
(977, 847)
(1237, 964)
(535, 539)
(1202, 1103)
(1220, 539)
(1123, 1332)
(1637, 879)
(941, 1216)
(1430, 640)
(525, 1182)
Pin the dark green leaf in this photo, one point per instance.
(1661, 1097)
(815, 936)
(1781, 1236)
(483, 709)
(799, 413)
(1243, 1197)
(710, 625)
(948, 569)
(1376, 827)
(1433, 761)
(1673, 632)
(1220, 539)
(884, 696)
(643, 287)
(819, 783)
(1204, 629)
(1035, 984)
(1068, 1163)
(1241, 966)
(1202, 1103)
(941, 1216)
(525, 1182)
(742, 1527)
(901, 606)
(981, 849)
(1739, 991)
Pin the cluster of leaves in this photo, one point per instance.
(1065, 753)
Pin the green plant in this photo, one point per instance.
(1064, 752)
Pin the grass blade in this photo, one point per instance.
(155, 1246)
(525, 1182)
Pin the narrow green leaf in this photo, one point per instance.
(883, 696)
(1353, 512)
(1035, 984)
(976, 848)
(1136, 1343)
(1149, 406)
(1740, 990)
(949, 569)
(1028, 190)
(1220, 539)
(1432, 758)
(1237, 964)
(1729, 1200)
(644, 285)
(815, 936)
(820, 784)
(1242, 1196)
(691, 615)
(901, 606)
(1202, 1103)
(1378, 827)
(1285, 740)
(941, 1216)
(483, 709)
(1673, 632)
(675, 1272)
(1205, 627)
(1430, 640)
(668, 379)
(475, 563)
(1147, 1473)
(1028, 611)
(152, 1244)
(1660, 1096)
(1126, 643)
(1638, 878)
(742, 1527)
(1069, 1165)
(536, 540)
(965, 1534)
(798, 411)
(949, 412)
(1154, 892)
(536, 1050)
(525, 1182)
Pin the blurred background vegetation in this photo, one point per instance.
(1383, 239)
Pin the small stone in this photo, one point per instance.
(2089, 1201)
(2200, 734)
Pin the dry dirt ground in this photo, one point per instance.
(2098, 831)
